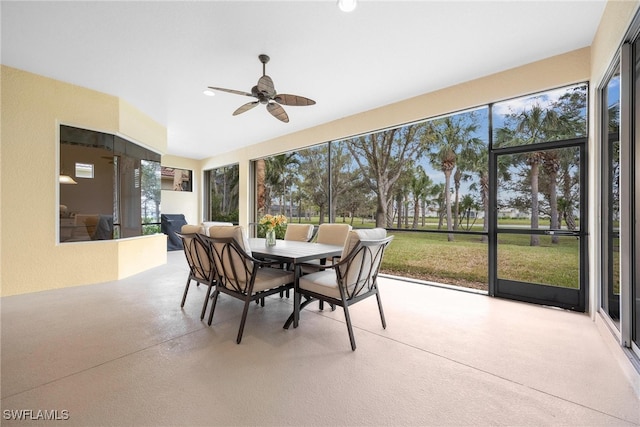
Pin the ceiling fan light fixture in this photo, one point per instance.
(209, 92)
(347, 5)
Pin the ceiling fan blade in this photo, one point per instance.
(265, 84)
(278, 112)
(294, 100)
(246, 107)
(236, 92)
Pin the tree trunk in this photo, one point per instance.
(321, 214)
(484, 188)
(535, 214)
(456, 211)
(416, 212)
(260, 177)
(400, 213)
(381, 212)
(553, 205)
(406, 211)
(447, 203)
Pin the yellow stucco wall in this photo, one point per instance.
(33, 107)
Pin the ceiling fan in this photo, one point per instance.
(265, 93)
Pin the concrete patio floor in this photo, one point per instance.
(125, 353)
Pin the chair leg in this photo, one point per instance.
(213, 305)
(347, 318)
(296, 309)
(186, 289)
(244, 318)
(384, 322)
(284, 293)
(206, 301)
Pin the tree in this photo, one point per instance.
(439, 198)
(314, 184)
(224, 193)
(150, 188)
(420, 186)
(276, 174)
(261, 199)
(381, 157)
(402, 188)
(530, 126)
(344, 179)
(468, 205)
(448, 137)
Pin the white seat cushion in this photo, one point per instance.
(321, 282)
(269, 278)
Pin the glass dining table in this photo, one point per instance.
(293, 253)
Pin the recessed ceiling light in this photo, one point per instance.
(208, 92)
(347, 5)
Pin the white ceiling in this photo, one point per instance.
(160, 55)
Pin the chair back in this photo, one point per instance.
(229, 246)
(299, 232)
(198, 256)
(333, 234)
(361, 260)
(208, 224)
(192, 229)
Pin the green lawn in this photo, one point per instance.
(464, 262)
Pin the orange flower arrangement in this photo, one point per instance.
(277, 223)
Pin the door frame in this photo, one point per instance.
(573, 299)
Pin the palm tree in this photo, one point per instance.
(276, 176)
(420, 184)
(439, 198)
(402, 189)
(469, 151)
(447, 137)
(480, 165)
(467, 205)
(531, 126)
